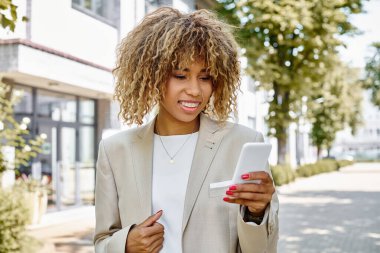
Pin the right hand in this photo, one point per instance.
(147, 237)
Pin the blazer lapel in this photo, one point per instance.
(208, 142)
(142, 155)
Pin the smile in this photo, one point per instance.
(189, 105)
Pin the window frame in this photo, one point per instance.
(92, 13)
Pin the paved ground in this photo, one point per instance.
(336, 212)
(67, 231)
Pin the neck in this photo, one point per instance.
(172, 127)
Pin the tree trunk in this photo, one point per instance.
(318, 152)
(282, 146)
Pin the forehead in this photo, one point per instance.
(188, 65)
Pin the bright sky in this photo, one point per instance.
(358, 47)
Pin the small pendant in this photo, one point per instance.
(171, 161)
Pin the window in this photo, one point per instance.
(87, 111)
(56, 106)
(104, 10)
(25, 102)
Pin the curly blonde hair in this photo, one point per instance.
(167, 39)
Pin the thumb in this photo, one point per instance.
(151, 219)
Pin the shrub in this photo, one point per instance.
(282, 174)
(321, 166)
(343, 163)
(13, 219)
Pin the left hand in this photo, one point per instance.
(255, 197)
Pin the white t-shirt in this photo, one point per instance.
(170, 183)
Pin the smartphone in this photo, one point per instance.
(253, 157)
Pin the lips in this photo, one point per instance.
(190, 104)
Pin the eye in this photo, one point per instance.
(180, 77)
(205, 78)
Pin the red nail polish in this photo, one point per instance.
(226, 199)
(232, 188)
(245, 176)
(229, 192)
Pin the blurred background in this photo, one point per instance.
(310, 83)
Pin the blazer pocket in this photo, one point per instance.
(217, 192)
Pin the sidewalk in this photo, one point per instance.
(336, 212)
(66, 231)
(333, 212)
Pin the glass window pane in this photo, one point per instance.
(56, 106)
(69, 109)
(87, 164)
(67, 164)
(88, 4)
(25, 104)
(99, 8)
(87, 144)
(87, 111)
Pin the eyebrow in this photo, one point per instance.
(188, 70)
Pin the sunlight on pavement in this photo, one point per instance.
(315, 231)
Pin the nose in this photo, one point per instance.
(193, 87)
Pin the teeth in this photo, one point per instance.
(187, 104)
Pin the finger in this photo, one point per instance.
(151, 219)
(249, 196)
(259, 206)
(157, 249)
(157, 244)
(249, 187)
(156, 228)
(156, 237)
(257, 175)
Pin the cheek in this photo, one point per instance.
(207, 91)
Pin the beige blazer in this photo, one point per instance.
(124, 192)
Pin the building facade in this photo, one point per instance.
(365, 143)
(62, 60)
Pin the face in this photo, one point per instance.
(187, 93)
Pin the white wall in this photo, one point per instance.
(20, 31)
(57, 25)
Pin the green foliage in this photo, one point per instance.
(344, 163)
(13, 219)
(282, 174)
(373, 75)
(15, 134)
(335, 104)
(289, 45)
(8, 15)
(321, 166)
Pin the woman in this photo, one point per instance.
(153, 182)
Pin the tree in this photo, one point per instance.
(372, 81)
(8, 15)
(14, 134)
(288, 44)
(334, 105)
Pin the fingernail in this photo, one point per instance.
(229, 192)
(245, 176)
(226, 199)
(232, 188)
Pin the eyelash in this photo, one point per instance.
(181, 77)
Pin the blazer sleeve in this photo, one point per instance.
(264, 237)
(109, 237)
